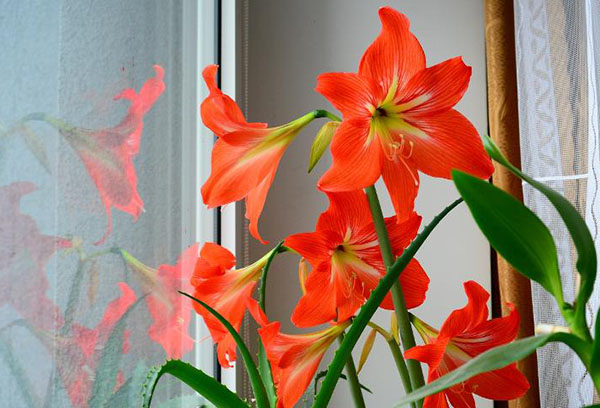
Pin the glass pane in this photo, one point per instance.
(91, 201)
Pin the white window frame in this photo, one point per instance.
(201, 32)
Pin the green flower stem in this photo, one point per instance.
(401, 366)
(322, 113)
(370, 307)
(355, 390)
(262, 290)
(406, 334)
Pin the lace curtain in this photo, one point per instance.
(91, 214)
(558, 45)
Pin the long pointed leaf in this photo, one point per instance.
(582, 239)
(203, 384)
(262, 401)
(513, 230)
(493, 359)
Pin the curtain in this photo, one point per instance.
(512, 287)
(93, 237)
(557, 69)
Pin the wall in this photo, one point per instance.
(290, 43)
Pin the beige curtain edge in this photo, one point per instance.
(504, 130)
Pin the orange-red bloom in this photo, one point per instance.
(108, 153)
(294, 359)
(398, 118)
(225, 290)
(466, 333)
(246, 156)
(346, 259)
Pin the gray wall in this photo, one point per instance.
(290, 43)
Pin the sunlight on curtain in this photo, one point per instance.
(557, 46)
(91, 221)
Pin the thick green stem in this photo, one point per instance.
(370, 307)
(406, 334)
(401, 365)
(355, 390)
(322, 113)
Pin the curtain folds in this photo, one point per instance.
(504, 129)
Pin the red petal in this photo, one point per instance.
(451, 143)
(217, 255)
(255, 202)
(430, 354)
(396, 53)
(470, 316)
(436, 89)
(232, 178)
(346, 210)
(415, 283)
(504, 384)
(219, 112)
(315, 246)
(491, 333)
(462, 399)
(402, 182)
(356, 158)
(348, 92)
(314, 307)
(402, 233)
(257, 313)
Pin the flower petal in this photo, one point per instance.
(219, 112)
(217, 255)
(504, 384)
(402, 182)
(348, 92)
(356, 158)
(395, 55)
(347, 212)
(450, 142)
(470, 316)
(402, 233)
(255, 202)
(460, 399)
(414, 282)
(436, 89)
(315, 246)
(430, 354)
(314, 308)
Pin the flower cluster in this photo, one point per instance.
(398, 119)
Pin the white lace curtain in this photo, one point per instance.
(558, 56)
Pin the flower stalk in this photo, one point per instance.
(406, 334)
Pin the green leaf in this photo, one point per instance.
(262, 401)
(582, 239)
(595, 359)
(513, 230)
(205, 385)
(371, 306)
(493, 359)
(321, 142)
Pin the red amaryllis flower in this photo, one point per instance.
(225, 290)
(294, 359)
(398, 118)
(466, 333)
(108, 153)
(24, 253)
(246, 156)
(346, 259)
(171, 313)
